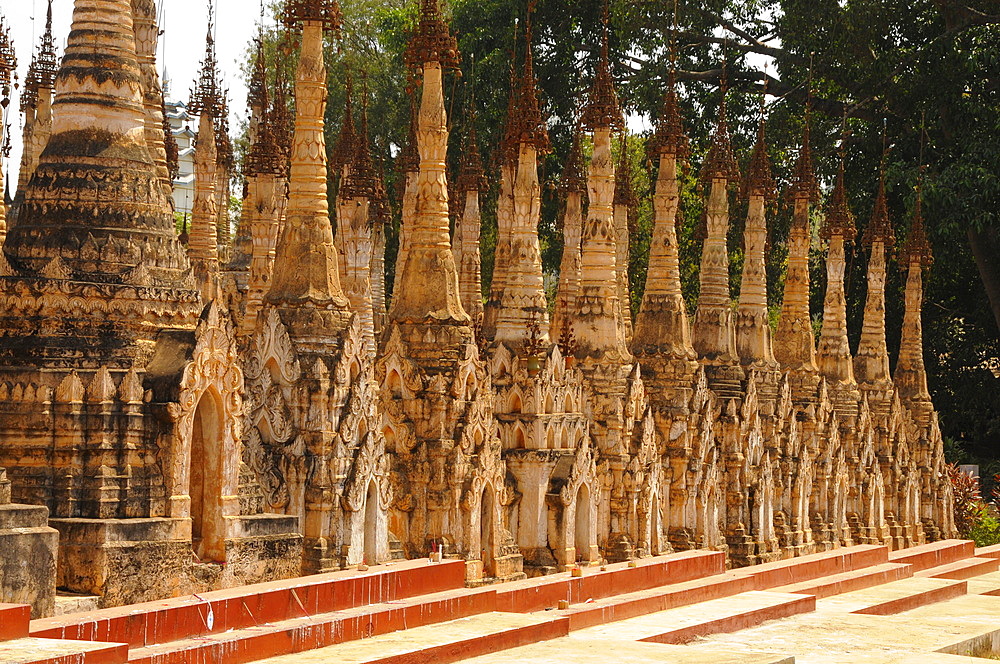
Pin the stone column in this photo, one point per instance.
(203, 247)
(306, 266)
(834, 351)
(871, 365)
(753, 331)
(523, 303)
(470, 269)
(794, 344)
(911, 376)
(501, 253)
(147, 34)
(569, 269)
(429, 287)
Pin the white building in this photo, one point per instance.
(181, 123)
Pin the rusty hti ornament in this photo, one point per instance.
(760, 179)
(8, 61)
(362, 181)
(207, 97)
(669, 136)
(296, 12)
(471, 176)
(603, 110)
(880, 227)
(839, 218)
(804, 183)
(721, 162)
(433, 41)
(528, 127)
(574, 175)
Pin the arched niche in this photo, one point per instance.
(205, 479)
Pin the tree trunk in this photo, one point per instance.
(986, 250)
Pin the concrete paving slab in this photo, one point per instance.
(837, 638)
(594, 651)
(681, 624)
(32, 651)
(445, 642)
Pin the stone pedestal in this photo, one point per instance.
(27, 557)
(127, 561)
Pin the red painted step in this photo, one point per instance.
(736, 621)
(962, 569)
(643, 602)
(318, 631)
(945, 591)
(837, 584)
(988, 551)
(215, 612)
(538, 594)
(14, 620)
(814, 566)
(934, 554)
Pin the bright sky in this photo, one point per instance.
(182, 47)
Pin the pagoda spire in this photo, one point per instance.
(429, 281)
(871, 364)
(598, 327)
(523, 307)
(795, 345)
(509, 155)
(753, 331)
(624, 203)
(408, 166)
(98, 122)
(574, 186)
(306, 273)
(206, 102)
(355, 229)
(8, 65)
(36, 103)
(264, 168)
(714, 333)
(661, 327)
(911, 375)
(471, 183)
(147, 35)
(834, 352)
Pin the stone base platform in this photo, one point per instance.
(28, 558)
(126, 561)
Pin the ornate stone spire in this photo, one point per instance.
(598, 326)
(624, 204)
(207, 103)
(834, 352)
(408, 166)
(871, 365)
(508, 157)
(471, 183)
(306, 284)
(36, 103)
(355, 229)
(795, 346)
(257, 96)
(98, 122)
(523, 307)
(429, 286)
(346, 149)
(714, 336)
(574, 185)
(661, 327)
(911, 376)
(147, 35)
(8, 64)
(753, 331)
